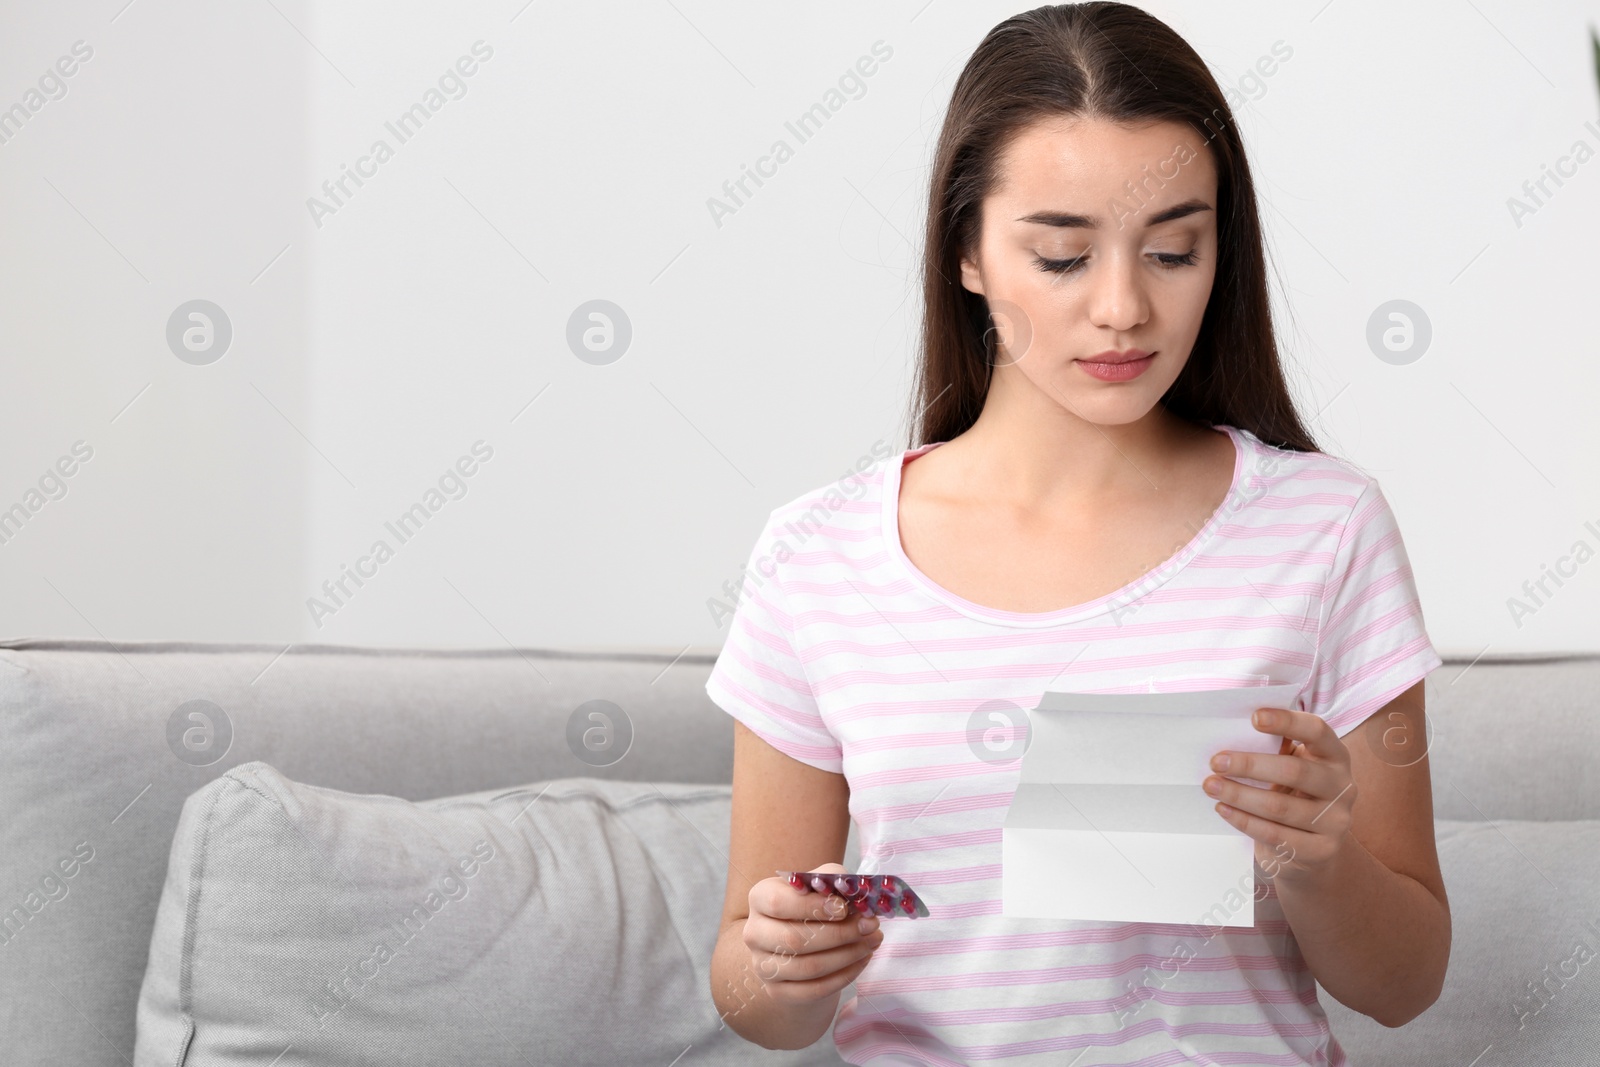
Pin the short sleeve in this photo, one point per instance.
(759, 679)
(1371, 641)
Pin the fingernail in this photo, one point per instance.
(867, 925)
(1220, 764)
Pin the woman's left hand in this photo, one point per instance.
(1301, 823)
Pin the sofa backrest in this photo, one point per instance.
(100, 744)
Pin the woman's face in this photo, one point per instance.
(1078, 257)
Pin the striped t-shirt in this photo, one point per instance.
(843, 655)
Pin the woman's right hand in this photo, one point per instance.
(806, 946)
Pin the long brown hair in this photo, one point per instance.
(1113, 62)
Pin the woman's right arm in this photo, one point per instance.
(781, 959)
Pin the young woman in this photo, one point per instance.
(1111, 490)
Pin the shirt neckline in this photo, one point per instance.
(890, 529)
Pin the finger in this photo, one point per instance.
(1311, 730)
(1299, 751)
(1291, 772)
(1274, 835)
(805, 937)
(1310, 814)
(818, 988)
(1286, 747)
(795, 953)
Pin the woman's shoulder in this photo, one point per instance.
(1299, 473)
(852, 500)
(835, 523)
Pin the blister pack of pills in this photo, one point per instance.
(883, 895)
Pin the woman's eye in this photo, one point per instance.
(1058, 266)
(1169, 260)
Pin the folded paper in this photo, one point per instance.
(1109, 821)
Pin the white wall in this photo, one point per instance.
(768, 353)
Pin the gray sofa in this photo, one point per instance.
(100, 752)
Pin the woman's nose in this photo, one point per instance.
(1118, 297)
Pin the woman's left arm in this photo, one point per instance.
(1346, 834)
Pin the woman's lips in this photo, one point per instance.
(1116, 372)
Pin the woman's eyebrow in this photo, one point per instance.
(1068, 219)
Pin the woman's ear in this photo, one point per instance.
(971, 275)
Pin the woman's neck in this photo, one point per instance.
(1057, 459)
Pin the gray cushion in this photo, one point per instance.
(85, 763)
(565, 922)
(1524, 908)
